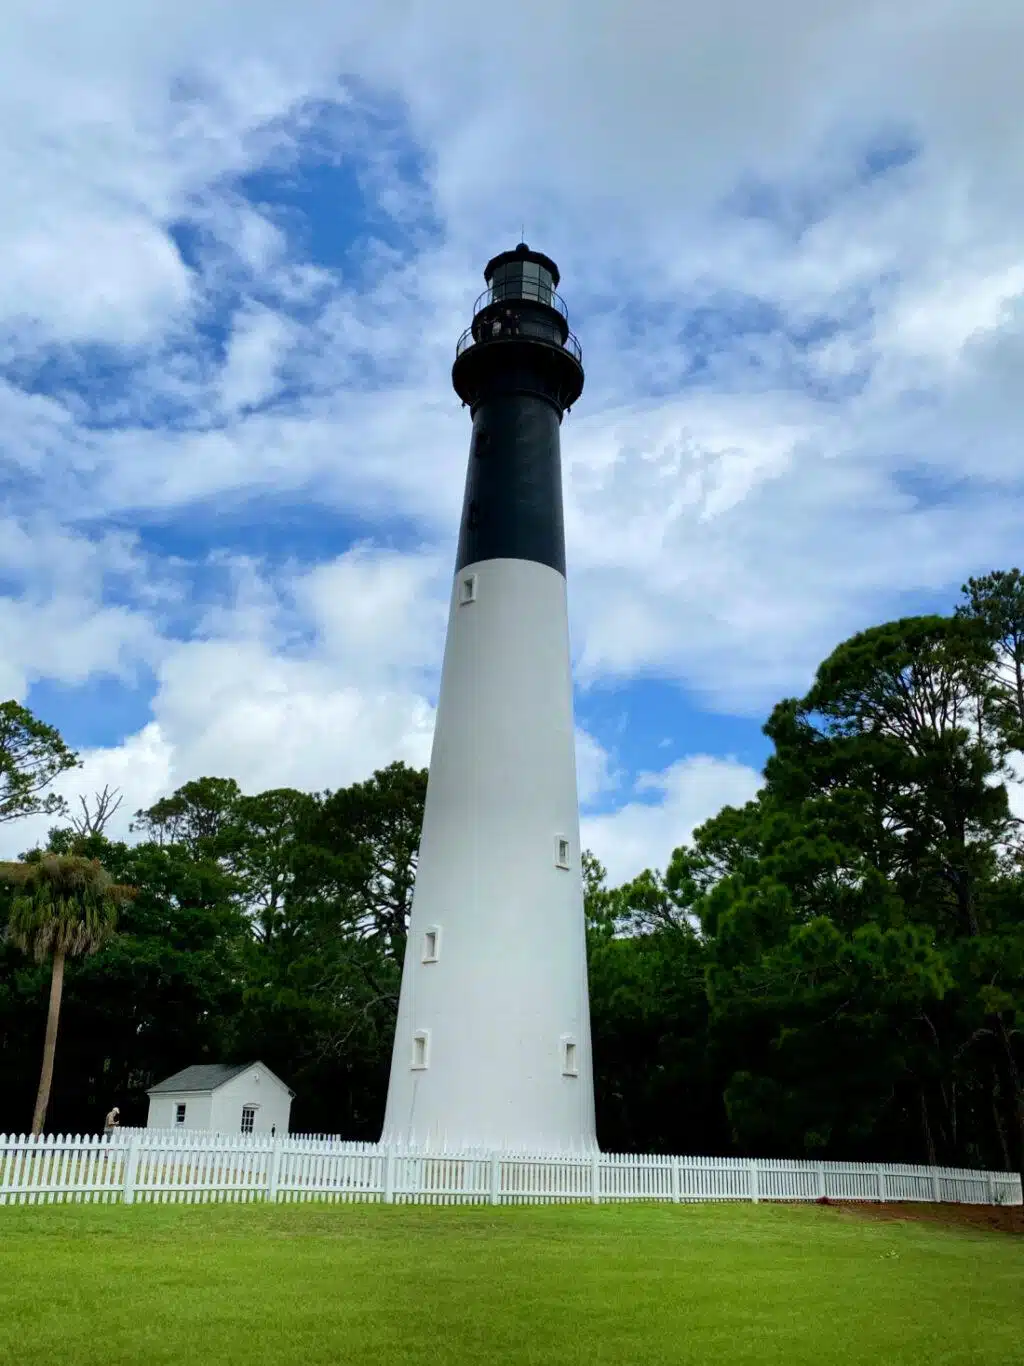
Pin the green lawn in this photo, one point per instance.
(556, 1286)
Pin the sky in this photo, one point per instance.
(238, 246)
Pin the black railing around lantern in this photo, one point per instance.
(533, 291)
(535, 330)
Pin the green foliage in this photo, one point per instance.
(196, 815)
(995, 605)
(361, 850)
(863, 916)
(32, 754)
(834, 969)
(62, 904)
(323, 980)
(260, 843)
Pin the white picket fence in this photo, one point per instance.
(171, 1165)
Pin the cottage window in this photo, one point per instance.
(179, 1114)
(248, 1118)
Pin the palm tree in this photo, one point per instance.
(64, 905)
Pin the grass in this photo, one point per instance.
(106, 1285)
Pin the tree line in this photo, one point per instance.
(834, 970)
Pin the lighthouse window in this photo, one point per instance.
(420, 1049)
(507, 282)
(522, 280)
(467, 589)
(536, 282)
(561, 851)
(432, 944)
(569, 1064)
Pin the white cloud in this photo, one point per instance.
(251, 373)
(230, 708)
(379, 612)
(223, 710)
(109, 279)
(643, 834)
(595, 775)
(312, 681)
(70, 641)
(61, 619)
(756, 383)
(139, 769)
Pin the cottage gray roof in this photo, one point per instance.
(201, 1077)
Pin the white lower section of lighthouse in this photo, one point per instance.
(492, 1047)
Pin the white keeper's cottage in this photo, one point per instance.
(221, 1098)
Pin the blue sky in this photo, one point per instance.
(242, 248)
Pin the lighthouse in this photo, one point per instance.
(492, 1043)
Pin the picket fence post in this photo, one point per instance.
(676, 1196)
(595, 1178)
(881, 1181)
(131, 1170)
(389, 1177)
(755, 1194)
(936, 1186)
(273, 1174)
(822, 1189)
(495, 1179)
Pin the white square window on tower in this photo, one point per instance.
(570, 1067)
(561, 851)
(432, 943)
(420, 1050)
(467, 589)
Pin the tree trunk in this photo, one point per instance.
(926, 1128)
(1000, 1127)
(50, 1044)
(1015, 1090)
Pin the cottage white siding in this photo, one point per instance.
(222, 1099)
(163, 1110)
(258, 1088)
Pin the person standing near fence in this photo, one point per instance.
(112, 1122)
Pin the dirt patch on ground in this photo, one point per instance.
(985, 1218)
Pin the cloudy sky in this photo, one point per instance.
(238, 244)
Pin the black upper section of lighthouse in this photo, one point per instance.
(518, 367)
(519, 340)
